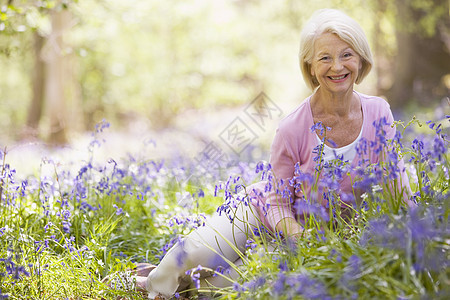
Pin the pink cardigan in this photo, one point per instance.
(294, 142)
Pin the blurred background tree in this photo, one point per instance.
(419, 69)
(68, 64)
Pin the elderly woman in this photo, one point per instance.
(334, 55)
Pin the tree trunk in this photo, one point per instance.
(421, 60)
(404, 73)
(38, 79)
(55, 82)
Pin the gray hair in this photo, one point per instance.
(336, 22)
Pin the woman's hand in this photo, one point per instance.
(290, 228)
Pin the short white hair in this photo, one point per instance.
(336, 22)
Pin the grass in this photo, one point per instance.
(60, 235)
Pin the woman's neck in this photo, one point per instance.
(339, 105)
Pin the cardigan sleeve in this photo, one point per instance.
(403, 185)
(281, 197)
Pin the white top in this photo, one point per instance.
(348, 151)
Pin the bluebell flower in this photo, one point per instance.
(13, 269)
(253, 285)
(259, 167)
(319, 126)
(250, 244)
(238, 288)
(3, 296)
(278, 285)
(318, 151)
(283, 266)
(351, 272)
(200, 193)
(99, 127)
(119, 210)
(305, 207)
(308, 288)
(195, 275)
(398, 138)
(66, 226)
(258, 230)
(430, 124)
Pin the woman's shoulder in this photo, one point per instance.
(298, 119)
(375, 107)
(294, 131)
(373, 101)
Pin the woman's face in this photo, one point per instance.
(335, 64)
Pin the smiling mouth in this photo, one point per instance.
(338, 77)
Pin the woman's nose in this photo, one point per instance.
(336, 65)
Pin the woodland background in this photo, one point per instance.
(66, 65)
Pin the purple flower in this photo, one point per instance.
(431, 124)
(119, 210)
(250, 244)
(351, 272)
(278, 286)
(303, 207)
(238, 288)
(398, 138)
(283, 266)
(319, 126)
(253, 285)
(264, 169)
(414, 234)
(261, 229)
(300, 178)
(318, 151)
(99, 127)
(66, 226)
(3, 296)
(195, 275)
(308, 288)
(13, 269)
(166, 248)
(259, 167)
(440, 148)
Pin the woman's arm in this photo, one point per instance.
(282, 195)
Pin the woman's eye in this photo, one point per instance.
(348, 54)
(325, 58)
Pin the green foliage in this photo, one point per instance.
(62, 233)
(17, 16)
(432, 15)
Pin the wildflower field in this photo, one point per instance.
(61, 234)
